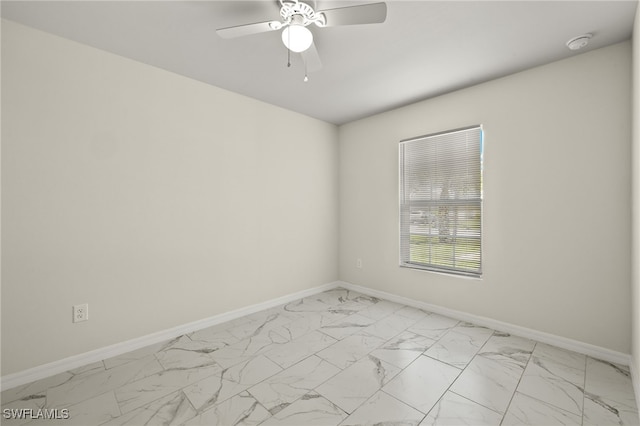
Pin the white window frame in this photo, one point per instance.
(413, 204)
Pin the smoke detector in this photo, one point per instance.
(579, 42)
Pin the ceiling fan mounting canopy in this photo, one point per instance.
(299, 13)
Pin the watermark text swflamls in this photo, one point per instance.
(32, 414)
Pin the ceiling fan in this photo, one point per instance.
(297, 15)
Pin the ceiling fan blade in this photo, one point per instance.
(374, 13)
(248, 29)
(311, 59)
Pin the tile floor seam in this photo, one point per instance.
(309, 390)
(519, 380)
(108, 420)
(545, 402)
(363, 402)
(471, 400)
(187, 399)
(439, 398)
(403, 402)
(458, 376)
(412, 406)
(550, 403)
(448, 388)
(202, 380)
(181, 389)
(391, 396)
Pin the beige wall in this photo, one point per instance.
(156, 199)
(159, 200)
(635, 254)
(557, 206)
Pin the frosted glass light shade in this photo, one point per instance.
(297, 38)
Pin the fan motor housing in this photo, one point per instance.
(300, 13)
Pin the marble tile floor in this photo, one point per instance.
(338, 358)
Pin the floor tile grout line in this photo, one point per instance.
(577, 385)
(478, 353)
(424, 415)
(320, 384)
(100, 393)
(362, 403)
(547, 403)
(389, 395)
(477, 403)
(519, 381)
(221, 376)
(368, 354)
(403, 370)
(113, 418)
(457, 377)
(144, 407)
(149, 403)
(409, 404)
(188, 400)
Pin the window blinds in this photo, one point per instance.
(441, 202)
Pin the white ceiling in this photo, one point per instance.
(425, 48)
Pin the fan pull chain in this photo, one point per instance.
(289, 51)
(306, 77)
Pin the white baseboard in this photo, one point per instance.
(42, 371)
(551, 339)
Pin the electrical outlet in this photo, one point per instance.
(81, 312)
(359, 263)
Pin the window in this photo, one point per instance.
(441, 202)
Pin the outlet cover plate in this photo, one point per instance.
(81, 312)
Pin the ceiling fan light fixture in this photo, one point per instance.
(297, 38)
